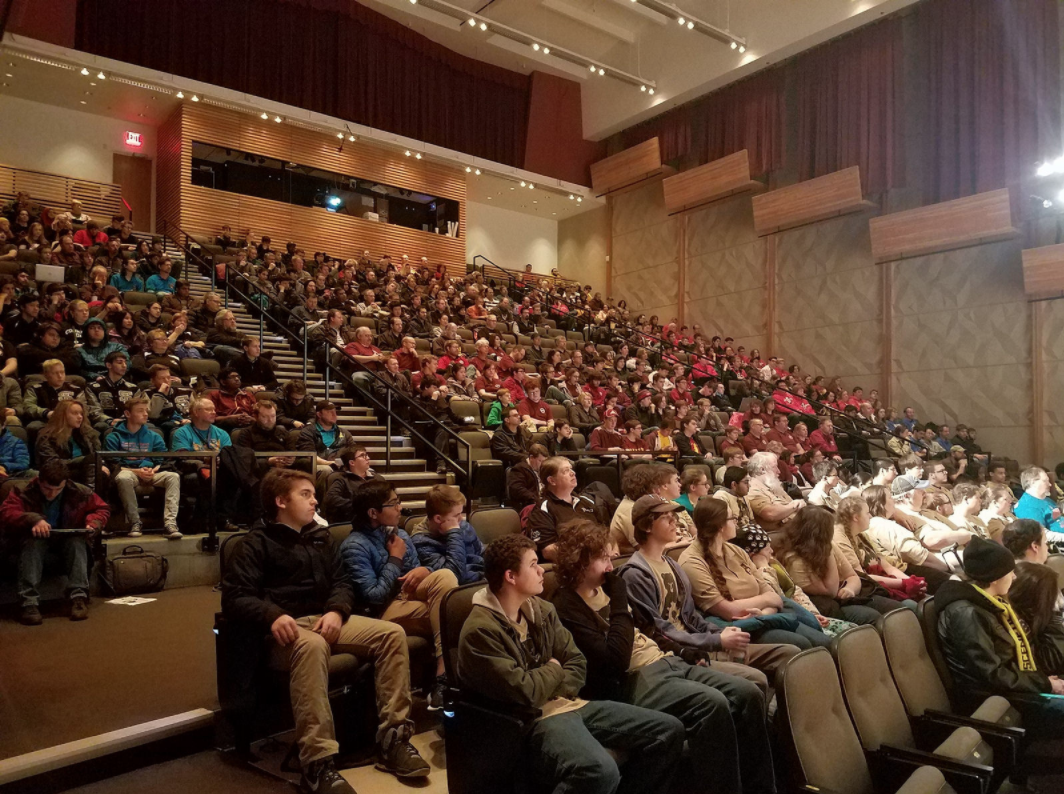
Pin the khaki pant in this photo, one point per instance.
(307, 662)
(761, 663)
(419, 612)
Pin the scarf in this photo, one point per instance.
(1024, 656)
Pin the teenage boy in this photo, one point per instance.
(382, 564)
(723, 714)
(287, 579)
(513, 649)
(355, 470)
(133, 436)
(660, 594)
(444, 539)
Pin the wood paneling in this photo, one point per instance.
(811, 201)
(626, 168)
(974, 220)
(99, 200)
(1043, 272)
(168, 172)
(710, 182)
(200, 210)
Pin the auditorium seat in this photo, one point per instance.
(491, 523)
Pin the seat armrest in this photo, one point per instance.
(1005, 741)
(516, 714)
(964, 778)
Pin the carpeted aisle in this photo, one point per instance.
(124, 665)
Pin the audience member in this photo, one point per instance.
(445, 540)
(558, 507)
(1026, 539)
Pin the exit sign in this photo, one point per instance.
(134, 139)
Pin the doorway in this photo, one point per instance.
(133, 174)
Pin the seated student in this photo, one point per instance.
(444, 539)
(659, 479)
(514, 650)
(821, 569)
(898, 545)
(984, 643)
(561, 440)
(532, 409)
(605, 437)
(558, 506)
(112, 391)
(256, 371)
(498, 408)
(94, 351)
(522, 480)
(41, 397)
(14, 454)
(1026, 539)
(287, 579)
(70, 438)
(508, 442)
(381, 562)
(294, 410)
(851, 520)
(1035, 595)
(725, 584)
(162, 283)
(233, 405)
(724, 715)
(355, 471)
(661, 597)
(52, 500)
(997, 500)
(133, 436)
(694, 485)
(168, 400)
(127, 279)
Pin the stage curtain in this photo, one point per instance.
(745, 115)
(849, 107)
(330, 56)
(993, 99)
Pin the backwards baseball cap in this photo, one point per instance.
(650, 503)
(905, 483)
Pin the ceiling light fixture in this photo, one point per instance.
(535, 46)
(742, 49)
(477, 172)
(101, 76)
(417, 156)
(351, 138)
(643, 88)
(180, 95)
(468, 169)
(602, 72)
(483, 25)
(651, 92)
(546, 50)
(682, 21)
(690, 25)
(571, 196)
(264, 115)
(472, 22)
(407, 152)
(734, 45)
(531, 186)
(195, 98)
(84, 71)
(340, 135)
(277, 119)
(523, 184)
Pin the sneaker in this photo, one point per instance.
(396, 755)
(173, 533)
(79, 608)
(135, 531)
(436, 696)
(321, 776)
(31, 616)
(441, 468)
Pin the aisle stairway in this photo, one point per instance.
(410, 474)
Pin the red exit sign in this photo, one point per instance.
(134, 139)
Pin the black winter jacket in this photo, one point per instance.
(278, 571)
(978, 649)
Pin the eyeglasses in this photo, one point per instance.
(397, 503)
(362, 455)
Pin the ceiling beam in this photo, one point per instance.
(591, 20)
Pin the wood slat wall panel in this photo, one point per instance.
(204, 211)
(168, 172)
(99, 200)
(814, 200)
(627, 167)
(973, 220)
(1043, 272)
(710, 182)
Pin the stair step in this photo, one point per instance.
(401, 465)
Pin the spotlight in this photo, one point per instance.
(643, 88)
(651, 92)
(334, 203)
(264, 115)
(417, 156)
(602, 72)
(682, 21)
(195, 98)
(592, 68)
(351, 138)
(468, 170)
(472, 22)
(546, 50)
(340, 135)
(483, 25)
(742, 49)
(101, 76)
(407, 152)
(524, 184)
(690, 25)
(477, 171)
(84, 71)
(571, 197)
(531, 186)
(277, 119)
(535, 46)
(579, 199)
(1047, 204)
(180, 95)
(734, 45)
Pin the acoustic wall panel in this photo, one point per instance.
(645, 252)
(710, 182)
(1052, 354)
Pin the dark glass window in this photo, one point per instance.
(234, 171)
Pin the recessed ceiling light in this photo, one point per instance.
(602, 72)
(468, 170)
(690, 25)
(417, 156)
(407, 152)
(84, 71)
(531, 186)
(734, 45)
(651, 92)
(535, 46)
(546, 50)
(682, 21)
(742, 48)
(592, 68)
(523, 183)
(579, 199)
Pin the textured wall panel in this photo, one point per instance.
(638, 209)
(972, 337)
(723, 225)
(647, 247)
(834, 299)
(820, 352)
(979, 276)
(738, 314)
(730, 270)
(828, 247)
(1053, 380)
(649, 288)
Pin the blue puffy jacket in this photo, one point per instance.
(373, 573)
(459, 552)
(14, 456)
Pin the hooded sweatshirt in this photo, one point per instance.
(494, 661)
(91, 357)
(139, 444)
(460, 552)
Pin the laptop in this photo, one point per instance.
(51, 273)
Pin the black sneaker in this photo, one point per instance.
(396, 755)
(321, 776)
(79, 608)
(436, 696)
(31, 616)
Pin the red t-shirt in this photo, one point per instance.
(825, 444)
(538, 410)
(752, 445)
(357, 349)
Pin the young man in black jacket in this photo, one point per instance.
(522, 480)
(724, 715)
(287, 579)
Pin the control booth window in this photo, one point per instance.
(235, 171)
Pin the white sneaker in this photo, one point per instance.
(135, 531)
(172, 533)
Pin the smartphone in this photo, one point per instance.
(390, 533)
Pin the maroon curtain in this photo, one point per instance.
(993, 101)
(329, 56)
(849, 107)
(745, 115)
